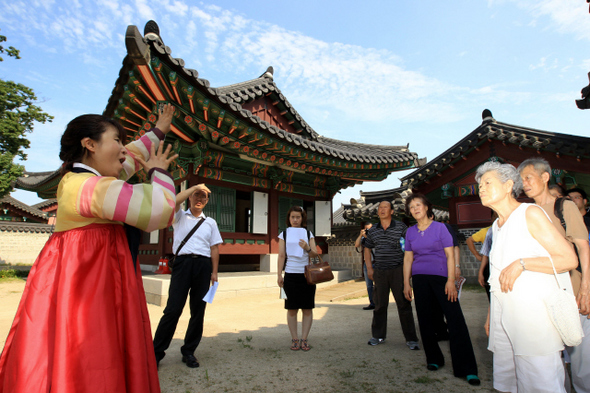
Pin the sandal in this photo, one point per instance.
(295, 345)
(305, 346)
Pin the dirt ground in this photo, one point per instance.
(246, 342)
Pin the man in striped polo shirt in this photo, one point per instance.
(385, 239)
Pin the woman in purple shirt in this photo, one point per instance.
(429, 261)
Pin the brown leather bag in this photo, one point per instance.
(316, 273)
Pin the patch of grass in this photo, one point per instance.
(244, 345)
(426, 380)
(394, 360)
(347, 374)
(12, 273)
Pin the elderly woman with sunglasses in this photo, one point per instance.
(526, 345)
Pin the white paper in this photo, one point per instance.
(283, 294)
(211, 293)
(292, 245)
(459, 285)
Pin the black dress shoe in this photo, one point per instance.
(369, 307)
(190, 360)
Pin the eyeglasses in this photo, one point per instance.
(200, 197)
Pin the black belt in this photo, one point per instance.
(194, 256)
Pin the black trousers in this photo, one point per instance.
(429, 294)
(190, 273)
(386, 280)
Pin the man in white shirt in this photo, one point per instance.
(194, 267)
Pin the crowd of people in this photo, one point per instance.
(86, 323)
(528, 247)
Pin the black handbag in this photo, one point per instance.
(197, 225)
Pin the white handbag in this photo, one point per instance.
(563, 312)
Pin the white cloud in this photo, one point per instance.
(566, 16)
(145, 12)
(348, 81)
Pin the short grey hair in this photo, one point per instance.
(540, 164)
(504, 172)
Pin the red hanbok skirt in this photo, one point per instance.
(82, 324)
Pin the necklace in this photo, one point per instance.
(421, 231)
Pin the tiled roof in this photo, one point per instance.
(584, 102)
(9, 226)
(32, 179)
(45, 203)
(337, 217)
(230, 97)
(24, 207)
(366, 208)
(257, 88)
(490, 129)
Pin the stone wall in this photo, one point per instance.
(22, 244)
(469, 264)
(344, 256)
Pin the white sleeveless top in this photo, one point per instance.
(524, 316)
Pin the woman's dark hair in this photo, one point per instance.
(426, 202)
(85, 126)
(303, 216)
(558, 188)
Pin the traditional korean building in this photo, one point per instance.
(448, 180)
(246, 142)
(24, 230)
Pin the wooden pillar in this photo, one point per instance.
(273, 225)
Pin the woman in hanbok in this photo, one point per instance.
(82, 324)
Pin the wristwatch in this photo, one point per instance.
(522, 264)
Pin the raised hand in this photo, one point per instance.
(157, 159)
(199, 187)
(165, 118)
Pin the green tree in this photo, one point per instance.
(18, 113)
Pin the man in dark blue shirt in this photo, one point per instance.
(385, 239)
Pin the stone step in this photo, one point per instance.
(231, 284)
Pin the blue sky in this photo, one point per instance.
(379, 72)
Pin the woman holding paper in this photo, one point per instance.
(296, 246)
(429, 261)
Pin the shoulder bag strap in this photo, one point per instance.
(558, 211)
(197, 225)
(285, 240)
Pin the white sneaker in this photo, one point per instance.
(413, 345)
(376, 341)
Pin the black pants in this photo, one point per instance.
(429, 290)
(486, 276)
(386, 280)
(190, 272)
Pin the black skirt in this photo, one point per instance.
(300, 295)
